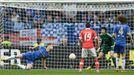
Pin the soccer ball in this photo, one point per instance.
(72, 56)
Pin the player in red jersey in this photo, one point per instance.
(86, 39)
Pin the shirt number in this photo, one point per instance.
(121, 31)
(87, 37)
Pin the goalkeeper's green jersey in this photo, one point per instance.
(106, 40)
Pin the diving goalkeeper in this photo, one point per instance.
(31, 56)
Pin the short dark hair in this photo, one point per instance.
(39, 40)
(104, 28)
(87, 25)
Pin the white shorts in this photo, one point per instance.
(86, 52)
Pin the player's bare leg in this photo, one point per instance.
(97, 65)
(27, 67)
(99, 57)
(112, 57)
(12, 57)
(81, 64)
(117, 61)
(123, 62)
(83, 56)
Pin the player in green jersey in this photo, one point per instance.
(106, 45)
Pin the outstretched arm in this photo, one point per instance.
(80, 40)
(97, 42)
(33, 47)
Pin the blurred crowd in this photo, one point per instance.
(16, 19)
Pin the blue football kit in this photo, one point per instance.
(31, 56)
(121, 31)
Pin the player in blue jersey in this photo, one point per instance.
(31, 56)
(120, 33)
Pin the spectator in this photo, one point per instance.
(38, 19)
(29, 15)
(14, 17)
(84, 18)
(22, 14)
(131, 19)
(95, 23)
(18, 26)
(37, 15)
(89, 16)
(30, 12)
(49, 19)
(64, 42)
(57, 18)
(108, 25)
(27, 24)
(8, 26)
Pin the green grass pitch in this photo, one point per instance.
(63, 72)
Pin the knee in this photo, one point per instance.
(118, 55)
(100, 55)
(111, 55)
(29, 67)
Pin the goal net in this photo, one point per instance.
(60, 23)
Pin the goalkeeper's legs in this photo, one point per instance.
(27, 67)
(112, 57)
(12, 57)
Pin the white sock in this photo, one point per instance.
(10, 58)
(21, 66)
(123, 63)
(117, 62)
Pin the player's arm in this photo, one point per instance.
(33, 47)
(44, 63)
(130, 35)
(114, 32)
(96, 40)
(111, 41)
(100, 44)
(81, 38)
